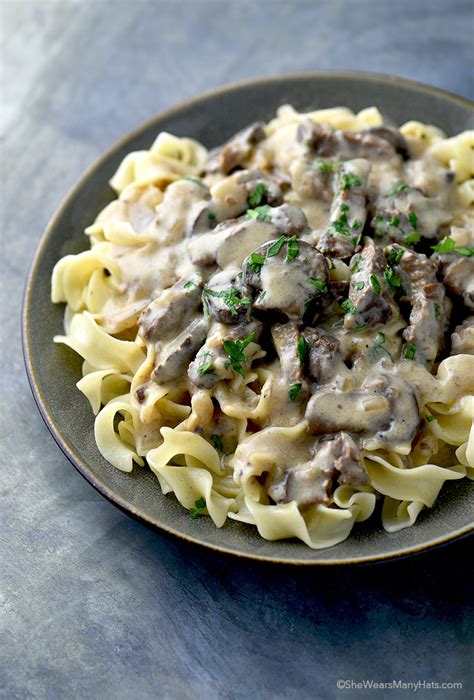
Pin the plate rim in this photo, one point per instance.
(35, 385)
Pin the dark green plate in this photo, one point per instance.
(53, 370)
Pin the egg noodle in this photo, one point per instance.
(281, 329)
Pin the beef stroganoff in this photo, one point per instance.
(282, 328)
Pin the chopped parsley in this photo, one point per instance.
(437, 309)
(349, 180)
(257, 196)
(348, 306)
(410, 351)
(234, 349)
(397, 189)
(293, 249)
(358, 285)
(256, 262)
(294, 390)
(344, 208)
(355, 263)
(339, 227)
(322, 166)
(379, 343)
(430, 419)
(448, 245)
(198, 508)
(230, 297)
(205, 368)
(395, 256)
(414, 237)
(302, 348)
(275, 248)
(196, 180)
(261, 297)
(211, 216)
(392, 280)
(468, 251)
(217, 443)
(394, 221)
(375, 284)
(260, 213)
(190, 284)
(319, 284)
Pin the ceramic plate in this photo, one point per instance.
(53, 370)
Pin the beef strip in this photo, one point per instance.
(369, 294)
(250, 180)
(311, 482)
(324, 357)
(373, 143)
(348, 211)
(168, 314)
(429, 308)
(174, 357)
(462, 340)
(237, 151)
(226, 298)
(289, 274)
(457, 273)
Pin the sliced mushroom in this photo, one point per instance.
(174, 357)
(370, 300)
(383, 411)
(345, 145)
(226, 298)
(324, 357)
(393, 136)
(348, 211)
(311, 482)
(211, 364)
(429, 306)
(238, 150)
(289, 274)
(288, 220)
(462, 340)
(169, 313)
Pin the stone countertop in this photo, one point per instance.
(95, 605)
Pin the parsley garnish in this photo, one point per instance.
(430, 419)
(205, 368)
(355, 263)
(302, 348)
(391, 279)
(319, 284)
(394, 221)
(261, 297)
(255, 262)
(235, 351)
(230, 298)
(468, 251)
(257, 195)
(195, 180)
(339, 227)
(275, 248)
(448, 245)
(198, 508)
(414, 237)
(395, 256)
(397, 189)
(294, 391)
(190, 284)
(293, 249)
(211, 216)
(217, 443)
(410, 351)
(379, 343)
(375, 284)
(348, 307)
(322, 166)
(437, 309)
(260, 213)
(358, 285)
(349, 180)
(413, 219)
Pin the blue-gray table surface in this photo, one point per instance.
(93, 604)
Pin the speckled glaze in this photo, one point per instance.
(53, 370)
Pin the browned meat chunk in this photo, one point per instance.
(324, 356)
(168, 314)
(174, 357)
(260, 188)
(383, 411)
(370, 300)
(428, 318)
(237, 151)
(289, 274)
(335, 457)
(226, 298)
(348, 211)
(462, 340)
(393, 136)
(345, 145)
(288, 220)
(458, 277)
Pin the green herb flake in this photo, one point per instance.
(410, 351)
(430, 419)
(447, 245)
(198, 508)
(275, 247)
(205, 368)
(412, 218)
(217, 443)
(397, 189)
(395, 256)
(190, 284)
(344, 208)
(195, 180)
(467, 251)
(392, 280)
(349, 180)
(348, 307)
(260, 213)
(302, 348)
(358, 285)
(257, 195)
(230, 297)
(355, 263)
(379, 343)
(375, 284)
(394, 221)
(356, 224)
(256, 262)
(339, 227)
(211, 216)
(294, 391)
(380, 337)
(322, 166)
(293, 249)
(414, 237)
(437, 309)
(319, 284)
(234, 349)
